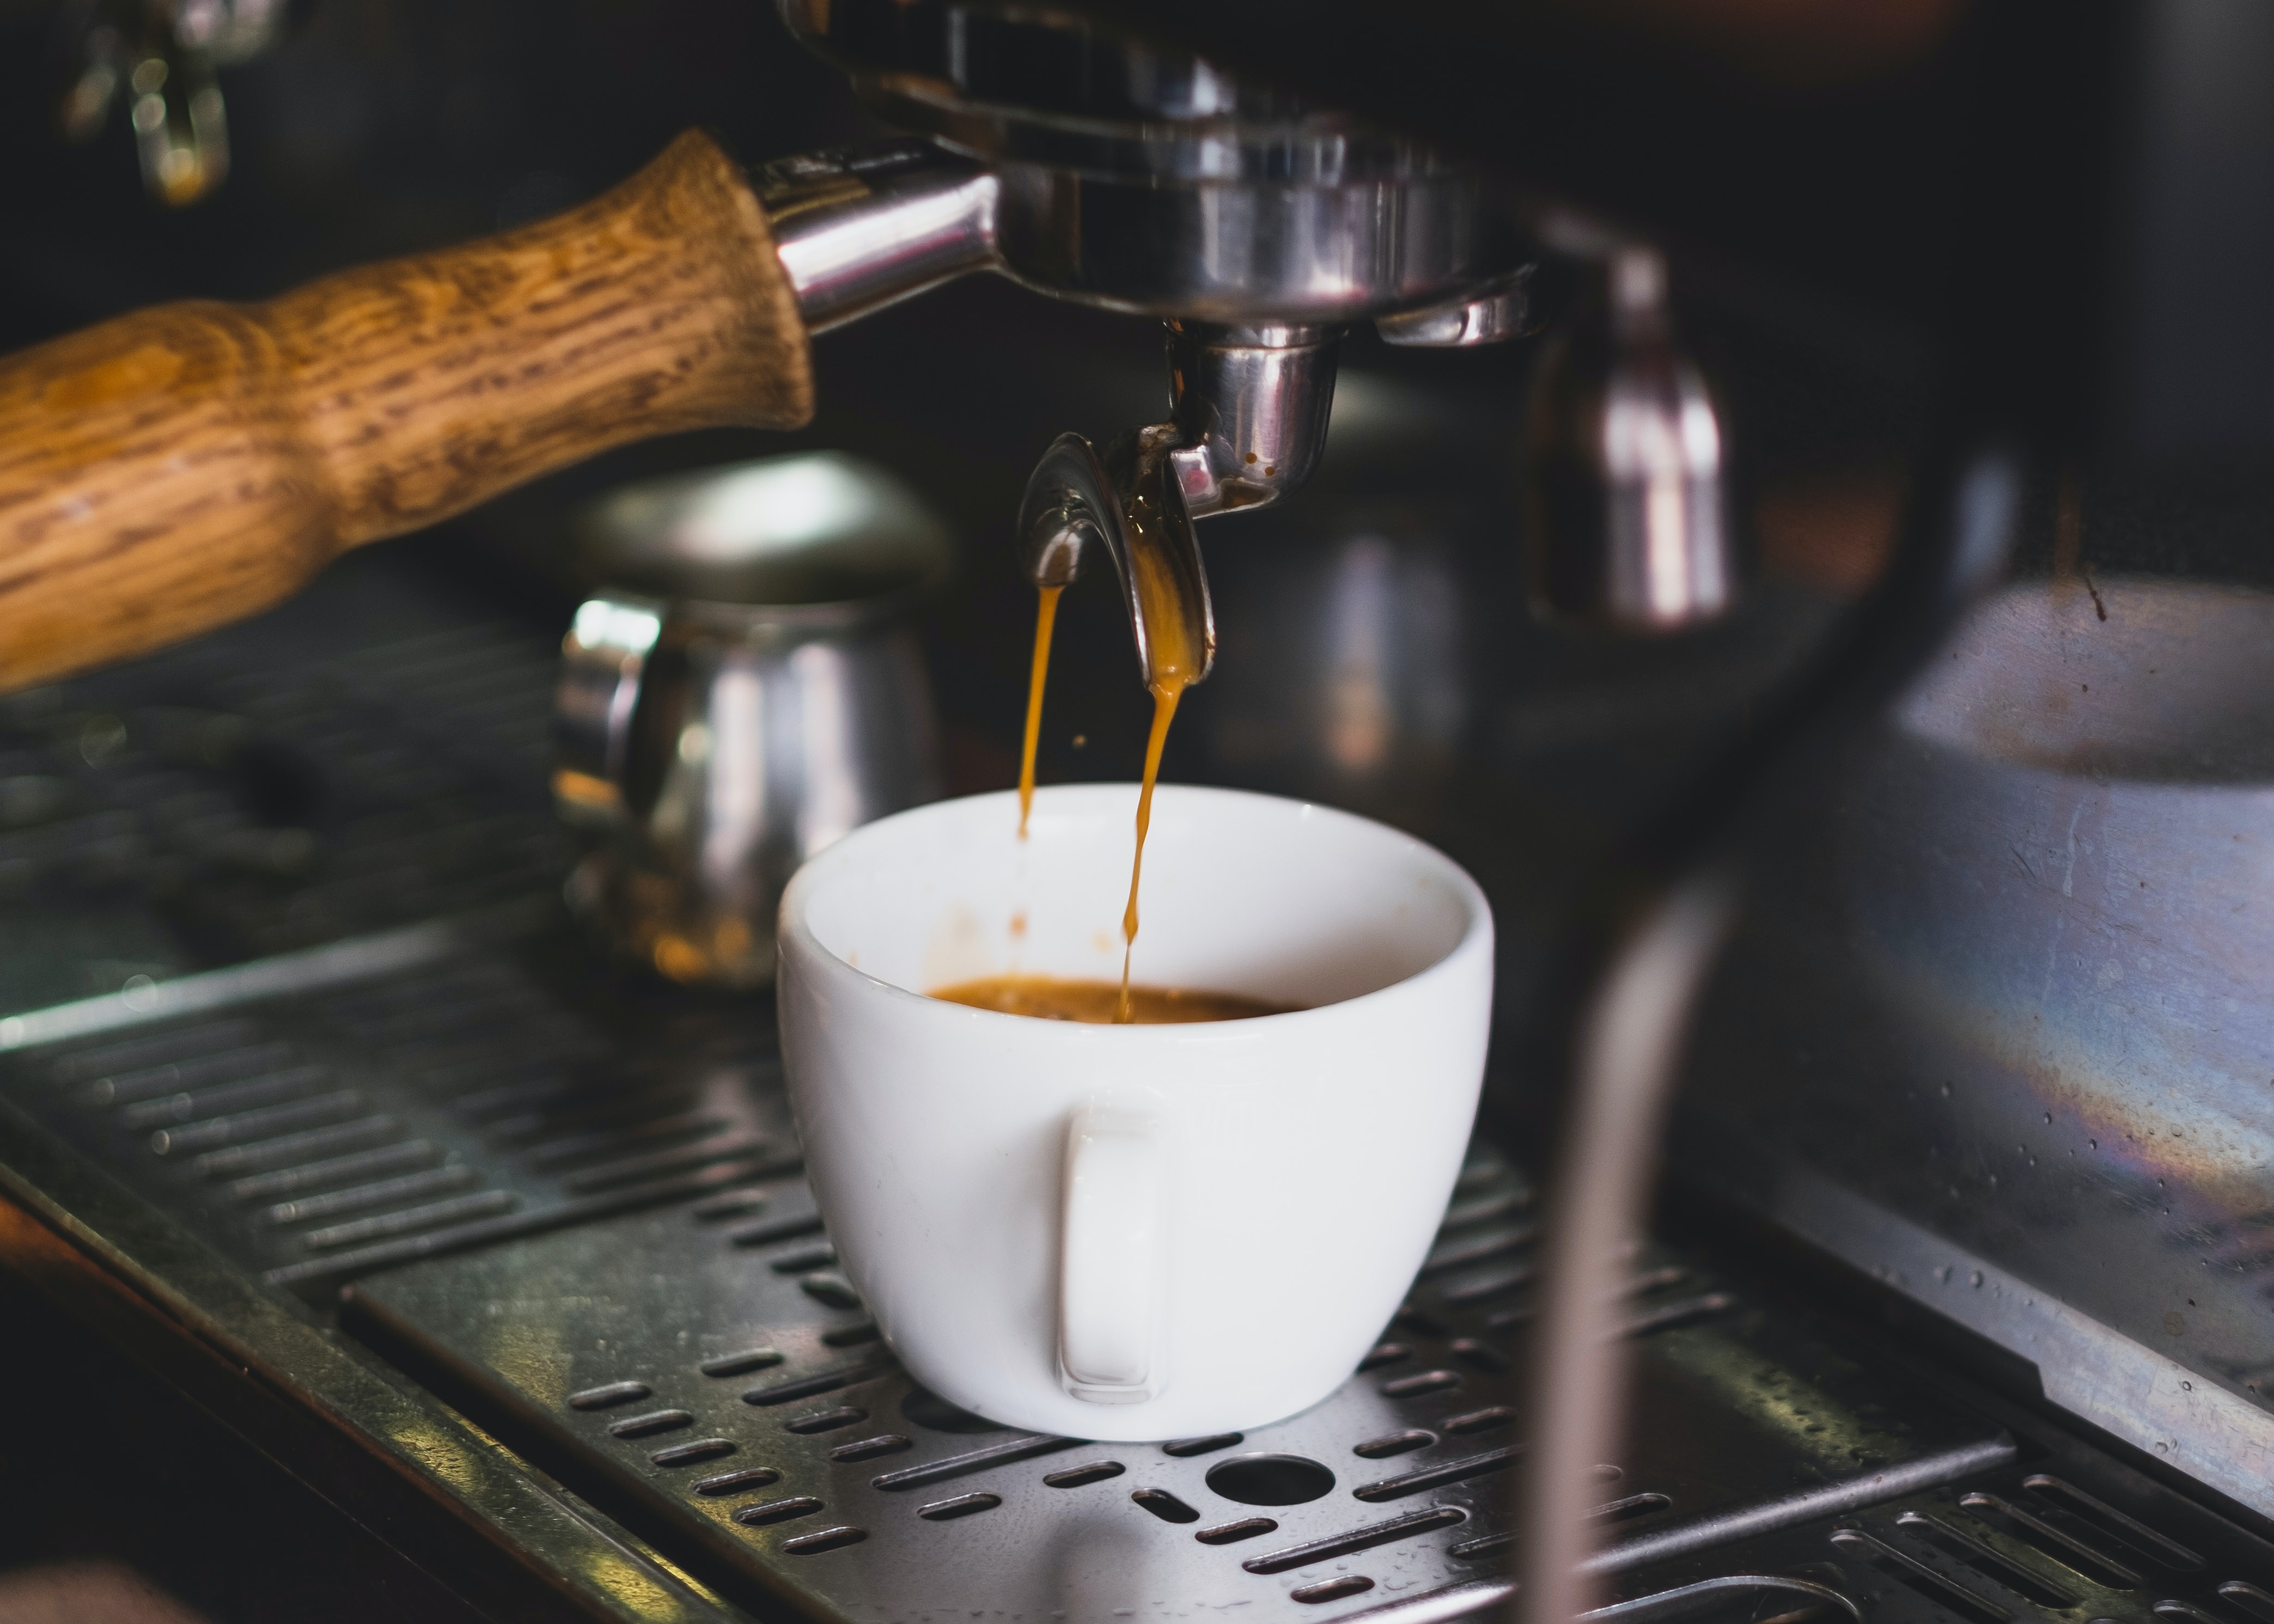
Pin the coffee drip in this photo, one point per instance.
(1045, 617)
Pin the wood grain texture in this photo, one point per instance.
(184, 466)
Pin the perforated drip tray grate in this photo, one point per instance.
(458, 1101)
(707, 1371)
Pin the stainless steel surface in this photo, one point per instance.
(1626, 466)
(1147, 180)
(1493, 314)
(1250, 405)
(862, 228)
(1128, 498)
(319, 1116)
(741, 1401)
(2032, 1089)
(768, 701)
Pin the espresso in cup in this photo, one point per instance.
(1056, 997)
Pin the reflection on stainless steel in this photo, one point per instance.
(2035, 1086)
(1629, 523)
(1145, 179)
(1348, 679)
(1076, 497)
(862, 228)
(766, 701)
(1636, 1030)
(1499, 311)
(1250, 405)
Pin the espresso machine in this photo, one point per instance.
(1820, 593)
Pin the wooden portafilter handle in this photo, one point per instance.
(183, 466)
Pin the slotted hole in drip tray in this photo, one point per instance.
(2185, 1613)
(1387, 1353)
(830, 1290)
(1420, 1382)
(734, 1204)
(1436, 1476)
(1481, 1355)
(736, 1481)
(742, 1363)
(871, 1448)
(1478, 1420)
(961, 1506)
(805, 1260)
(1632, 1507)
(1233, 1533)
(1183, 1446)
(827, 1539)
(767, 1512)
(606, 1396)
(1393, 1443)
(649, 1424)
(2063, 1547)
(1074, 1477)
(2128, 1531)
(1915, 1577)
(1333, 1590)
(827, 1420)
(771, 1230)
(1357, 1539)
(1989, 1563)
(851, 1336)
(1165, 1506)
(2249, 1598)
(1271, 1479)
(691, 1454)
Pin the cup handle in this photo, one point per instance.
(602, 660)
(1113, 1250)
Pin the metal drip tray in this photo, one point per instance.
(706, 1373)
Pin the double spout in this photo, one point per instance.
(1247, 420)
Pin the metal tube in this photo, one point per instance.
(862, 228)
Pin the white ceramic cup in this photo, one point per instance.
(1134, 1233)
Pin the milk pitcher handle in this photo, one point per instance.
(602, 660)
(1113, 1248)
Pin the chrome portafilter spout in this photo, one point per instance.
(1247, 419)
(1127, 501)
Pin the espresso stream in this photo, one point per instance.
(1173, 663)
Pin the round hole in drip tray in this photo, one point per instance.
(928, 1409)
(1270, 1480)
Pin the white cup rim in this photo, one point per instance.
(794, 933)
